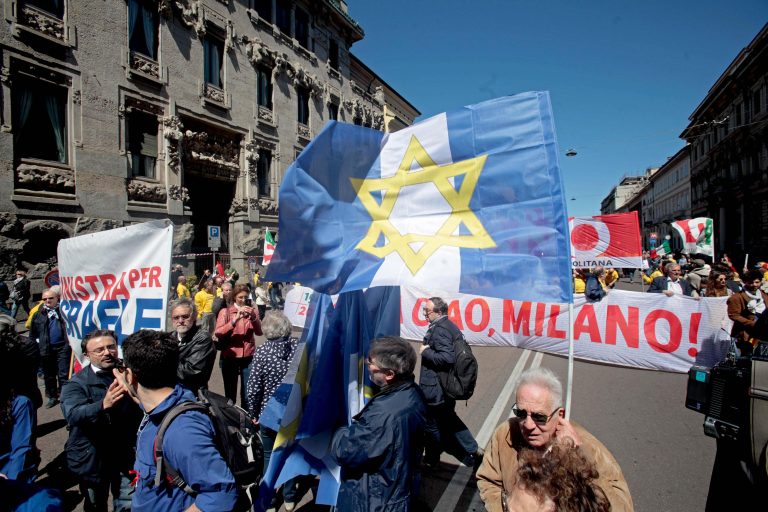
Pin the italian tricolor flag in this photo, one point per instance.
(269, 248)
(697, 235)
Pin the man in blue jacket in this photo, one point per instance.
(445, 430)
(380, 452)
(102, 421)
(149, 375)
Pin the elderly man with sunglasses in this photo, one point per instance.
(538, 422)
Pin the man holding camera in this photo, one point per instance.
(102, 426)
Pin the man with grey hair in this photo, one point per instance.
(379, 453)
(672, 283)
(50, 332)
(197, 354)
(538, 422)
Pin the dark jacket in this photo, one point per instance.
(593, 288)
(22, 356)
(380, 452)
(743, 319)
(197, 355)
(659, 285)
(101, 441)
(439, 357)
(219, 303)
(21, 290)
(39, 329)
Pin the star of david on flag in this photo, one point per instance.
(469, 201)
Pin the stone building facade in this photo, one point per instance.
(121, 111)
(728, 135)
(667, 199)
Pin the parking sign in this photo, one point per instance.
(214, 237)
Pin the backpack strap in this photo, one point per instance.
(162, 467)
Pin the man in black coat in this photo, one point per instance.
(445, 430)
(49, 331)
(672, 284)
(21, 293)
(102, 420)
(379, 453)
(197, 353)
(23, 357)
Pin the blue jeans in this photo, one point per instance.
(19, 305)
(291, 487)
(95, 496)
(445, 432)
(231, 369)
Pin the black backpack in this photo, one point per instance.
(459, 382)
(237, 440)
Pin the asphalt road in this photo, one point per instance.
(638, 414)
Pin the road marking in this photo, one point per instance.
(458, 483)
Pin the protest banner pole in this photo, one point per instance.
(569, 388)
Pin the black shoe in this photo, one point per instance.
(52, 402)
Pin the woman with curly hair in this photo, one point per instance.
(558, 480)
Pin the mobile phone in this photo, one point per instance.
(249, 302)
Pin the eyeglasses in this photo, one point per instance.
(49, 298)
(537, 417)
(99, 351)
(182, 317)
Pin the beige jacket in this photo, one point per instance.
(499, 467)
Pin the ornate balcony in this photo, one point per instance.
(266, 115)
(303, 132)
(142, 64)
(42, 23)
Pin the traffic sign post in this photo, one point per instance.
(214, 242)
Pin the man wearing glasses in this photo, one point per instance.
(197, 353)
(672, 283)
(380, 452)
(537, 423)
(445, 430)
(49, 331)
(102, 424)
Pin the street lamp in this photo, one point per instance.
(571, 152)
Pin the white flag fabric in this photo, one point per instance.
(697, 234)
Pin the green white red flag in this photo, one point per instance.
(697, 234)
(269, 248)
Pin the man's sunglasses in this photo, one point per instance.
(538, 418)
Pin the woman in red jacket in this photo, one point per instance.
(236, 327)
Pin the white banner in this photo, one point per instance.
(639, 330)
(116, 279)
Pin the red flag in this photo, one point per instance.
(606, 240)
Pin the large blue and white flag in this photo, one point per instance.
(470, 201)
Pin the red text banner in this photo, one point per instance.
(640, 330)
(116, 279)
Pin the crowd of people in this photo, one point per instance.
(115, 407)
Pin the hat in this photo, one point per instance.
(699, 262)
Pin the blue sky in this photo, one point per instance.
(623, 76)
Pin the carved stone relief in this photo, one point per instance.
(267, 206)
(42, 22)
(178, 193)
(238, 206)
(146, 192)
(49, 179)
(144, 65)
(172, 131)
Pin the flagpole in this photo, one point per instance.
(569, 388)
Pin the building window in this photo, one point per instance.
(333, 111)
(333, 54)
(757, 104)
(262, 172)
(142, 28)
(264, 8)
(142, 143)
(39, 120)
(302, 95)
(283, 16)
(264, 84)
(302, 27)
(55, 7)
(213, 50)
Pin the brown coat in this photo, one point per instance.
(499, 468)
(743, 318)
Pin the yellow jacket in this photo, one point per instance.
(656, 273)
(183, 291)
(28, 323)
(579, 285)
(204, 303)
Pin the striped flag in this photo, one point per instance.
(269, 248)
